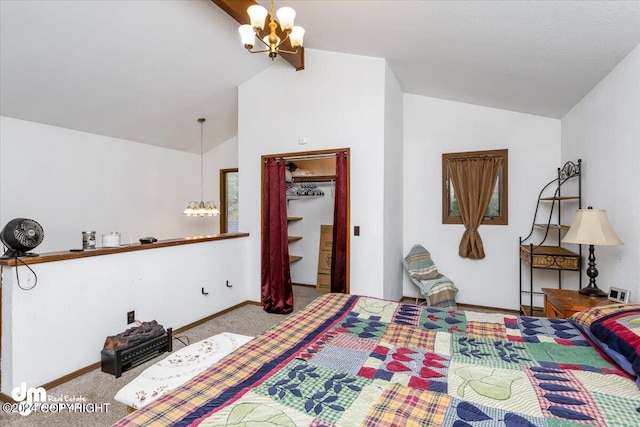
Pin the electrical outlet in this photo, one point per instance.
(618, 294)
(131, 317)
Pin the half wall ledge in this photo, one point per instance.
(65, 255)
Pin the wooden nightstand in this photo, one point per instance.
(563, 303)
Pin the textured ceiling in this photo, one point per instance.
(146, 70)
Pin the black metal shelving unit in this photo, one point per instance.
(535, 250)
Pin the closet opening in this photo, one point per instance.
(305, 223)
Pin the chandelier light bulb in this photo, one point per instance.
(247, 35)
(296, 37)
(286, 15)
(257, 15)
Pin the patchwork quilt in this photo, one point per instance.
(349, 361)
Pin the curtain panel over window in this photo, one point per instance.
(473, 179)
(276, 290)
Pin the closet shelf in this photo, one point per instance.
(294, 218)
(304, 196)
(313, 178)
(294, 258)
(294, 238)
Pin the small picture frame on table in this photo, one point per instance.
(618, 295)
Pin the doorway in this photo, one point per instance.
(314, 190)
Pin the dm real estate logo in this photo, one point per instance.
(28, 398)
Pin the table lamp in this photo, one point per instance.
(591, 227)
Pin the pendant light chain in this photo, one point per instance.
(201, 120)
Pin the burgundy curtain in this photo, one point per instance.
(339, 248)
(276, 291)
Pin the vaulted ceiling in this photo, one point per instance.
(146, 70)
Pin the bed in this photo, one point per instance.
(349, 360)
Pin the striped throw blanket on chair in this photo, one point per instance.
(437, 289)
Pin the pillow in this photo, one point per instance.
(616, 328)
(622, 362)
(419, 264)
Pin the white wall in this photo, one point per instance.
(315, 211)
(393, 205)
(435, 126)
(60, 325)
(336, 102)
(604, 129)
(72, 181)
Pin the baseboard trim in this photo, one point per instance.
(71, 376)
(5, 398)
(75, 374)
(211, 317)
(470, 307)
(253, 303)
(307, 285)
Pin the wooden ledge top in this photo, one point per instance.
(572, 300)
(66, 255)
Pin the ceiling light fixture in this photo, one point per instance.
(203, 208)
(257, 15)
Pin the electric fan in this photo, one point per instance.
(19, 236)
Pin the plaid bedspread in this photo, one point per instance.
(349, 361)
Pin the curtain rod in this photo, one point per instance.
(480, 157)
(313, 156)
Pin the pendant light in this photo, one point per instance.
(274, 45)
(201, 208)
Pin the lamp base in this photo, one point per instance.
(593, 292)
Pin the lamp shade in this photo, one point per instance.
(591, 227)
(247, 35)
(257, 15)
(286, 15)
(296, 36)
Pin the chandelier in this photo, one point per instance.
(202, 208)
(257, 15)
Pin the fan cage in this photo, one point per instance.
(21, 235)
